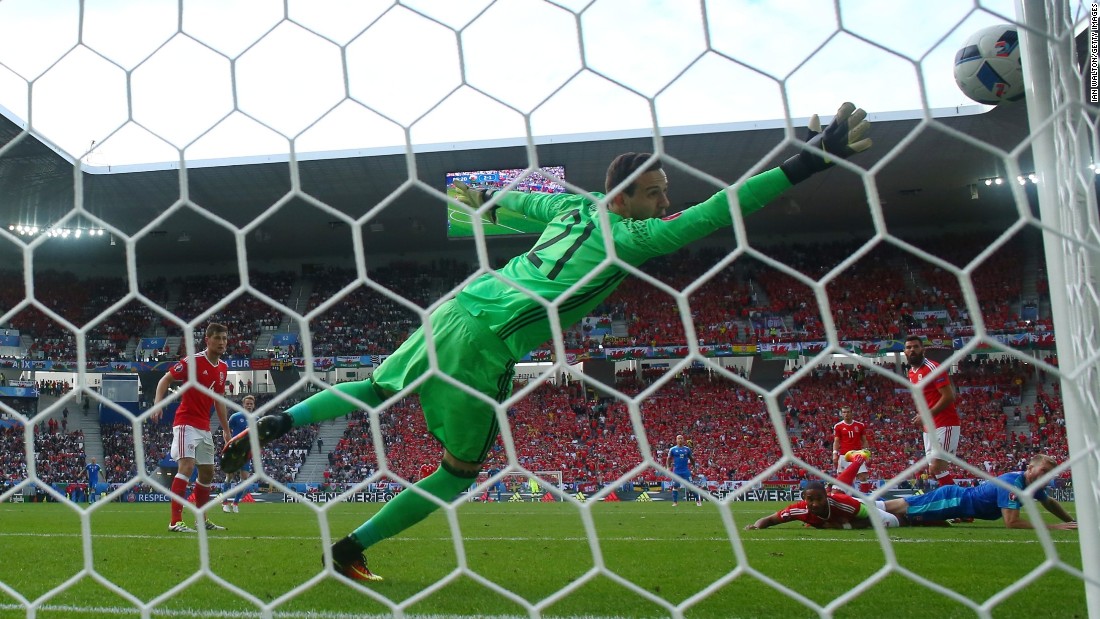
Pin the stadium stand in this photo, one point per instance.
(558, 428)
(884, 295)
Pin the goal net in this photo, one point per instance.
(289, 169)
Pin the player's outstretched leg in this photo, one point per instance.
(403, 511)
(270, 427)
(856, 458)
(348, 559)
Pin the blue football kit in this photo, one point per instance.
(984, 501)
(681, 457)
(93, 474)
(238, 422)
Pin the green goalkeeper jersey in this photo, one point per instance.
(572, 247)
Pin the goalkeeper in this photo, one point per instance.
(478, 336)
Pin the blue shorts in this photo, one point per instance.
(679, 479)
(943, 503)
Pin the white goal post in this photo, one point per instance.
(1065, 150)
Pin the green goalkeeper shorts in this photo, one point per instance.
(467, 351)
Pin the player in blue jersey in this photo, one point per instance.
(93, 470)
(681, 460)
(591, 244)
(987, 501)
(238, 422)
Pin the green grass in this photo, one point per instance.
(508, 222)
(533, 550)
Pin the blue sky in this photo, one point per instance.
(127, 78)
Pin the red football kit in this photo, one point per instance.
(427, 469)
(195, 405)
(850, 435)
(948, 416)
(842, 510)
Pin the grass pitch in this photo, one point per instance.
(676, 556)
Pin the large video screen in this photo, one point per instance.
(459, 224)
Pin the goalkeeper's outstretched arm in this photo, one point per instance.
(846, 135)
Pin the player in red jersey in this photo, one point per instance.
(830, 510)
(192, 442)
(940, 396)
(849, 435)
(426, 470)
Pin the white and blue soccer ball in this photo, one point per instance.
(987, 67)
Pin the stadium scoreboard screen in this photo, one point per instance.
(543, 180)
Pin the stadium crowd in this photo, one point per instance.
(561, 428)
(591, 439)
(58, 455)
(884, 294)
(282, 459)
(365, 321)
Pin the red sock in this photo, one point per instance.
(945, 479)
(202, 494)
(848, 475)
(179, 489)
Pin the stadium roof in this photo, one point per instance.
(926, 183)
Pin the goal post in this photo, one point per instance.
(1064, 153)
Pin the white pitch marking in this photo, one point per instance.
(213, 538)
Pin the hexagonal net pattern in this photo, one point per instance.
(359, 79)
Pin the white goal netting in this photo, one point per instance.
(273, 166)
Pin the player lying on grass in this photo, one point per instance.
(822, 509)
(988, 501)
(478, 336)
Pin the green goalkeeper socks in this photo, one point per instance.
(328, 405)
(409, 507)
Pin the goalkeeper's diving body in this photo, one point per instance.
(478, 335)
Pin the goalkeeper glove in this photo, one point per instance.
(474, 198)
(844, 137)
(813, 127)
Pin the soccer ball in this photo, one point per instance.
(988, 69)
(866, 453)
